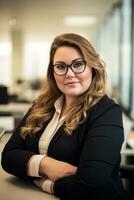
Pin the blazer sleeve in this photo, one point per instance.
(101, 150)
(15, 156)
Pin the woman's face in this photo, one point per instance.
(71, 84)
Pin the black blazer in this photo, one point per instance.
(94, 147)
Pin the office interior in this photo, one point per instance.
(27, 29)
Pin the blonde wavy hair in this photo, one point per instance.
(43, 107)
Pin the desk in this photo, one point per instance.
(11, 114)
(15, 107)
(11, 188)
(127, 152)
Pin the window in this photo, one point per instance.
(126, 55)
(5, 63)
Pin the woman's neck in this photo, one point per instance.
(68, 104)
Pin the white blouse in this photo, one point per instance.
(44, 142)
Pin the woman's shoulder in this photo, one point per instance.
(105, 105)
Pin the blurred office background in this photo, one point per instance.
(27, 29)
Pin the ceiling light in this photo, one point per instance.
(80, 20)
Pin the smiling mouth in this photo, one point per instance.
(70, 83)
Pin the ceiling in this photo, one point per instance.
(44, 18)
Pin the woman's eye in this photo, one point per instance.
(61, 67)
(78, 64)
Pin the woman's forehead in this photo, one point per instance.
(66, 53)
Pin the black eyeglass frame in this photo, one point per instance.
(70, 66)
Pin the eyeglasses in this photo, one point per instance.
(77, 67)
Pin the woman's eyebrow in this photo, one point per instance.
(72, 61)
(59, 62)
(77, 59)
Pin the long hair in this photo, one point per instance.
(43, 107)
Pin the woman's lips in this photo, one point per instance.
(71, 83)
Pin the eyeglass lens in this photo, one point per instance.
(76, 67)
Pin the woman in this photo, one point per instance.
(69, 142)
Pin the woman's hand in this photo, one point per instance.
(55, 169)
(48, 188)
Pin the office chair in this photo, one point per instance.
(127, 174)
(4, 95)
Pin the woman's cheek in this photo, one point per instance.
(59, 81)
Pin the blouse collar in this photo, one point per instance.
(59, 103)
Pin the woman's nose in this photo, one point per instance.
(70, 72)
